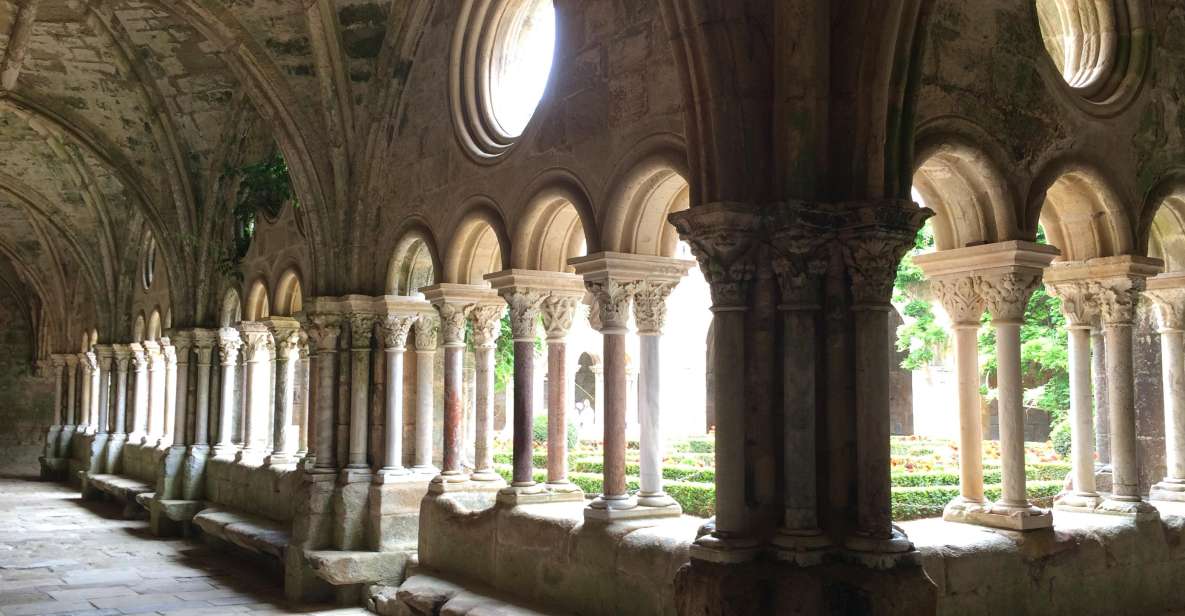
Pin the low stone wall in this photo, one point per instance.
(546, 554)
(141, 462)
(1087, 565)
(259, 490)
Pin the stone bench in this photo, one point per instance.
(344, 568)
(130, 492)
(250, 532)
(425, 594)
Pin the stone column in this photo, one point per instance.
(1168, 293)
(427, 331)
(452, 327)
(650, 314)
(558, 312)
(286, 334)
(800, 260)
(203, 343)
(156, 390)
(486, 320)
(1102, 419)
(612, 303)
(258, 348)
(1117, 298)
(84, 394)
(229, 345)
(525, 304)
(70, 408)
(182, 343)
(54, 436)
(875, 238)
(361, 330)
(105, 356)
(139, 394)
(171, 403)
(119, 436)
(323, 331)
(1007, 294)
(1079, 310)
(395, 329)
(302, 404)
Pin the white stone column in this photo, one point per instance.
(258, 347)
(395, 329)
(302, 403)
(427, 331)
(182, 343)
(1007, 294)
(286, 336)
(204, 342)
(84, 394)
(229, 345)
(105, 356)
(650, 314)
(171, 404)
(54, 436)
(323, 331)
(156, 393)
(139, 394)
(1079, 310)
(71, 416)
(1168, 293)
(93, 398)
(486, 320)
(361, 331)
(123, 361)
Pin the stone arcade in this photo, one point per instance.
(257, 256)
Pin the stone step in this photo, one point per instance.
(426, 595)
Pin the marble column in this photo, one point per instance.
(54, 436)
(799, 262)
(650, 314)
(1007, 296)
(286, 336)
(361, 331)
(119, 436)
(204, 342)
(395, 329)
(324, 331)
(182, 343)
(427, 332)
(258, 347)
(229, 345)
(452, 327)
(139, 394)
(1079, 310)
(1115, 285)
(154, 421)
(1102, 419)
(105, 357)
(85, 387)
(486, 320)
(558, 311)
(612, 303)
(1168, 293)
(302, 403)
(525, 304)
(875, 237)
(171, 403)
(70, 405)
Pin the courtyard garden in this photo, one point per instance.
(925, 473)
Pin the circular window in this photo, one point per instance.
(149, 264)
(503, 51)
(1097, 46)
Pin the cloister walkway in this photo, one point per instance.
(61, 555)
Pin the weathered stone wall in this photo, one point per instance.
(26, 400)
(263, 491)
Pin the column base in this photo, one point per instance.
(804, 548)
(279, 459)
(564, 491)
(724, 550)
(1135, 508)
(603, 509)
(513, 496)
(958, 509)
(1013, 517)
(1081, 502)
(387, 476)
(355, 475)
(486, 474)
(881, 552)
(449, 482)
(225, 452)
(657, 500)
(250, 457)
(1168, 490)
(425, 469)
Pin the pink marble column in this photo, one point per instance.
(558, 311)
(613, 305)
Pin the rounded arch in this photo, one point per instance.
(1082, 214)
(963, 184)
(289, 293)
(138, 328)
(556, 224)
(1162, 229)
(231, 310)
(258, 307)
(414, 263)
(154, 325)
(480, 244)
(648, 187)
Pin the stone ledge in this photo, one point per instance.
(356, 567)
(123, 489)
(426, 594)
(252, 533)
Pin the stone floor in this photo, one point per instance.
(60, 555)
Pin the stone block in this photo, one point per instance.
(355, 567)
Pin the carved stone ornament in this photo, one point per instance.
(558, 312)
(287, 343)
(961, 299)
(1117, 299)
(612, 300)
(395, 329)
(650, 304)
(525, 307)
(1077, 304)
(123, 358)
(324, 330)
(1170, 308)
(229, 344)
(875, 237)
(723, 238)
(1007, 295)
(452, 323)
(361, 330)
(258, 346)
(427, 332)
(487, 322)
(799, 252)
(139, 360)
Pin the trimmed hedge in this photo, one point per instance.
(1044, 471)
(927, 502)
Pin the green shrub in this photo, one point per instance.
(929, 501)
(695, 498)
(1061, 438)
(539, 432)
(1044, 471)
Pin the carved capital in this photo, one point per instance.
(611, 303)
(875, 236)
(258, 346)
(288, 343)
(558, 312)
(395, 329)
(324, 330)
(71, 361)
(1077, 304)
(427, 332)
(650, 304)
(229, 344)
(139, 359)
(361, 330)
(487, 323)
(799, 253)
(169, 354)
(1170, 308)
(1007, 294)
(1117, 299)
(89, 361)
(525, 306)
(724, 239)
(960, 298)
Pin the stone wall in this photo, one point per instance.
(26, 400)
(261, 491)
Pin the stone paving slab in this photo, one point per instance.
(62, 555)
